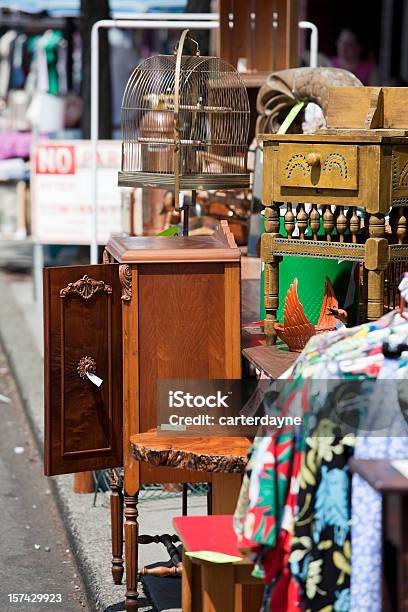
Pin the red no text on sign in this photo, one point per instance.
(55, 159)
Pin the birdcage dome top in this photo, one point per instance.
(185, 122)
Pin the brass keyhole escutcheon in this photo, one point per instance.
(86, 364)
(313, 160)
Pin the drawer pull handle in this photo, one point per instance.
(87, 370)
(313, 159)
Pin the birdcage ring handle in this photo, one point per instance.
(184, 35)
(176, 151)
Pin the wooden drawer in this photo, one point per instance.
(318, 166)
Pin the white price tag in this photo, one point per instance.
(94, 379)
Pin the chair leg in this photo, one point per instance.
(131, 551)
(184, 499)
(209, 499)
(116, 505)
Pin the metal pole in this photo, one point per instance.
(38, 265)
(314, 41)
(138, 22)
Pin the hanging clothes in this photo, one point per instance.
(17, 74)
(45, 70)
(336, 370)
(320, 559)
(6, 48)
(265, 514)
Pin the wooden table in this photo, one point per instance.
(393, 486)
(273, 360)
(216, 587)
(222, 458)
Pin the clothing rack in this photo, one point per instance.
(30, 23)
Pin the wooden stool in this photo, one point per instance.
(222, 459)
(117, 516)
(215, 587)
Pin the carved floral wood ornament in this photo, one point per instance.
(125, 277)
(85, 287)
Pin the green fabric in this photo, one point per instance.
(291, 116)
(51, 53)
(173, 230)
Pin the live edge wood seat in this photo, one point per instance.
(215, 587)
(221, 459)
(201, 454)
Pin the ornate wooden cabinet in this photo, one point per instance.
(158, 308)
(351, 179)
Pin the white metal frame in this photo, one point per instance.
(174, 21)
(314, 41)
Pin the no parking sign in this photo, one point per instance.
(61, 192)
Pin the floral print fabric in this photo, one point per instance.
(295, 522)
(321, 554)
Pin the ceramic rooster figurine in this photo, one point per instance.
(297, 329)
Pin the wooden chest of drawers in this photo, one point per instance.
(345, 182)
(365, 168)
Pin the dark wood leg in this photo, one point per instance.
(131, 551)
(184, 499)
(116, 504)
(168, 541)
(209, 498)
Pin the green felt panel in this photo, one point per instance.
(311, 274)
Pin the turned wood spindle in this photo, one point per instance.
(272, 219)
(302, 221)
(131, 551)
(116, 506)
(401, 225)
(354, 224)
(162, 570)
(289, 220)
(169, 542)
(314, 221)
(376, 225)
(328, 222)
(341, 223)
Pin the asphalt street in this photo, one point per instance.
(38, 572)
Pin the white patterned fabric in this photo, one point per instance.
(366, 527)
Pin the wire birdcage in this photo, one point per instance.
(185, 122)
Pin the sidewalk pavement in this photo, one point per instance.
(88, 526)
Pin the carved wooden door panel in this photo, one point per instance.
(82, 335)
